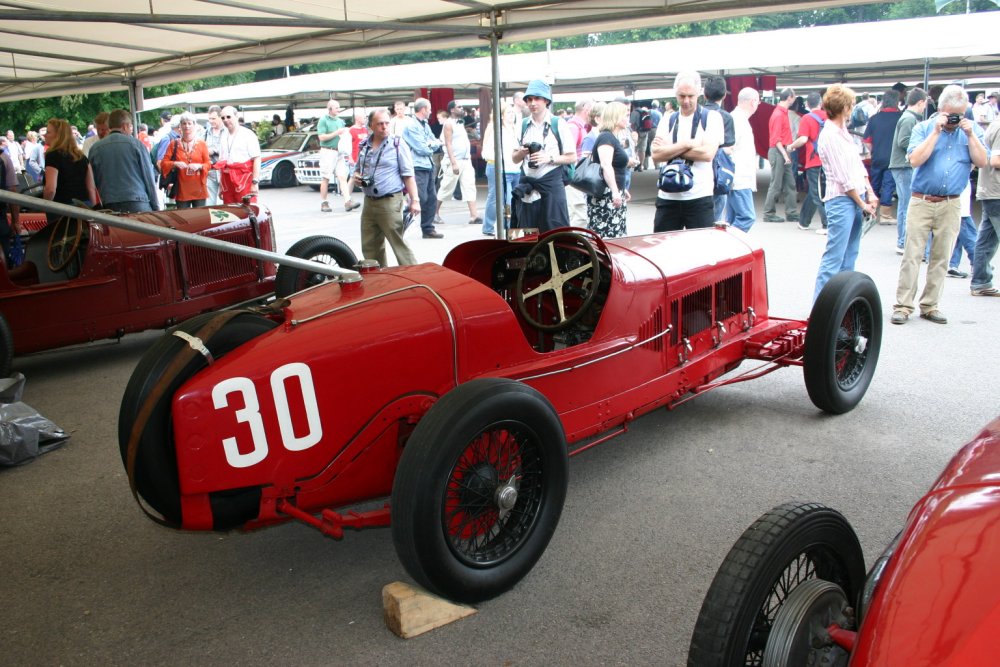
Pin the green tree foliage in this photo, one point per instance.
(81, 109)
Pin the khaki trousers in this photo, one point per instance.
(923, 218)
(381, 221)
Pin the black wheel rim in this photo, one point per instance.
(853, 336)
(810, 564)
(309, 279)
(482, 522)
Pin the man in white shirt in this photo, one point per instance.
(239, 160)
(740, 211)
(693, 134)
(546, 146)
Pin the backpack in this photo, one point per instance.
(569, 170)
(723, 167)
(815, 142)
(859, 117)
(645, 121)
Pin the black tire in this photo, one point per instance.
(447, 524)
(6, 348)
(843, 340)
(790, 544)
(156, 476)
(283, 175)
(325, 249)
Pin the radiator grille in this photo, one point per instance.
(206, 268)
(652, 327)
(696, 312)
(729, 297)
(148, 281)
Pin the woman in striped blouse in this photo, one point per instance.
(848, 193)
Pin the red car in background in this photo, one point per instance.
(793, 592)
(83, 281)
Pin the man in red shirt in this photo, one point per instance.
(359, 132)
(782, 174)
(809, 128)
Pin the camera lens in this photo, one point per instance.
(954, 119)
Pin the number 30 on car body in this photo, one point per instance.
(250, 415)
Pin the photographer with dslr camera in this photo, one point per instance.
(546, 146)
(942, 152)
(384, 171)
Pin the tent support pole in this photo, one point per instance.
(927, 80)
(134, 95)
(499, 149)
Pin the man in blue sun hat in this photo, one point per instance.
(545, 147)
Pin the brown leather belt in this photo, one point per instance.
(934, 199)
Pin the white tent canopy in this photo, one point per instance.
(955, 46)
(57, 47)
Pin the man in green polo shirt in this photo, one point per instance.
(332, 161)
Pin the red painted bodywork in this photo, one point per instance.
(129, 282)
(382, 351)
(938, 602)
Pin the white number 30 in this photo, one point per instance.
(249, 414)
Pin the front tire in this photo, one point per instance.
(479, 489)
(156, 476)
(791, 544)
(843, 340)
(323, 249)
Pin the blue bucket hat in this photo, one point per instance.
(538, 88)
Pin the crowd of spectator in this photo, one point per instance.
(857, 160)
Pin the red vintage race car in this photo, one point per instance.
(458, 391)
(83, 280)
(793, 591)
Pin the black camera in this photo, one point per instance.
(533, 147)
(366, 181)
(954, 118)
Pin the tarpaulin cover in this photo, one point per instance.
(24, 433)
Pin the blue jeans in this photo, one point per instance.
(884, 185)
(510, 181)
(986, 245)
(812, 202)
(842, 241)
(966, 239)
(739, 209)
(904, 189)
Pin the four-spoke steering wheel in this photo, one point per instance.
(571, 262)
(64, 241)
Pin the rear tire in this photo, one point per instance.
(156, 477)
(843, 339)
(790, 544)
(324, 249)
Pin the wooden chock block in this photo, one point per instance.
(411, 611)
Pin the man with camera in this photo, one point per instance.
(384, 171)
(942, 151)
(692, 135)
(546, 146)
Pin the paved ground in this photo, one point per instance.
(87, 580)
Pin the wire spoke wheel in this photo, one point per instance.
(493, 495)
(479, 489)
(843, 341)
(851, 354)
